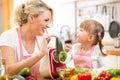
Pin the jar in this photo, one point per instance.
(117, 43)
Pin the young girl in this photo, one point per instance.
(88, 52)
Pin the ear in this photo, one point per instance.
(30, 18)
(91, 38)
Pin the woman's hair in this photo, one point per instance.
(34, 7)
(95, 28)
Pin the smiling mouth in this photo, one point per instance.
(46, 31)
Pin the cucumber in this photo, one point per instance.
(59, 48)
(25, 72)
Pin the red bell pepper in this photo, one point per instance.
(84, 76)
(31, 77)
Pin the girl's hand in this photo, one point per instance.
(68, 47)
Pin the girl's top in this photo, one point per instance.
(92, 59)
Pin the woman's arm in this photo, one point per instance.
(13, 66)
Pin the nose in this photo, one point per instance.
(47, 27)
(77, 34)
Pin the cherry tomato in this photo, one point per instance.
(103, 73)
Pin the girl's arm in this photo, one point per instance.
(13, 67)
(102, 63)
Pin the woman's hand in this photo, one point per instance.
(44, 44)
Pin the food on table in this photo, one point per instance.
(104, 75)
(74, 77)
(84, 76)
(25, 72)
(59, 48)
(66, 72)
(62, 56)
(31, 77)
(115, 78)
(4, 77)
(94, 74)
(114, 72)
(17, 77)
(80, 70)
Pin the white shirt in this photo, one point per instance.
(98, 60)
(10, 38)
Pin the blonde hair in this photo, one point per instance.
(34, 7)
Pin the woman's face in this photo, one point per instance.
(82, 36)
(41, 23)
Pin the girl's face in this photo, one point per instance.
(82, 36)
(41, 23)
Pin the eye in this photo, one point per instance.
(46, 20)
(81, 30)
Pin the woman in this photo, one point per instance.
(26, 45)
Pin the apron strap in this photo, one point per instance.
(20, 43)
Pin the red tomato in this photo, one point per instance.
(103, 73)
(108, 76)
(102, 78)
(97, 78)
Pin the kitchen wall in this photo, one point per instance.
(100, 11)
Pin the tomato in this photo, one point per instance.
(108, 76)
(103, 76)
(98, 78)
(103, 73)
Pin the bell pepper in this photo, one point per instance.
(115, 78)
(74, 77)
(31, 77)
(84, 76)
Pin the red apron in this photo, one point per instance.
(83, 59)
(34, 68)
